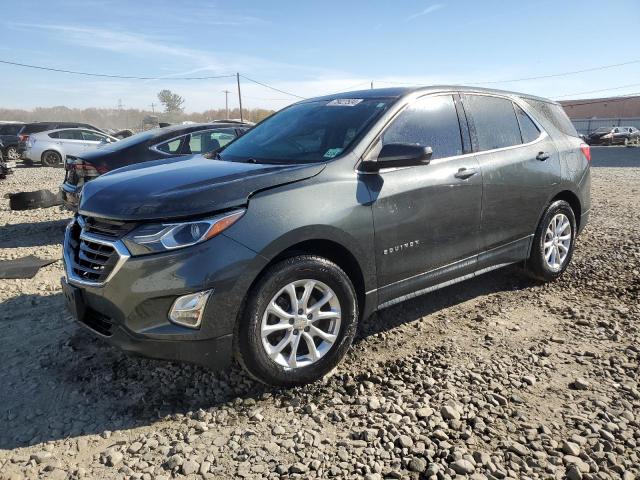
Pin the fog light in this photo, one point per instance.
(188, 309)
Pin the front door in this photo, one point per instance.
(426, 218)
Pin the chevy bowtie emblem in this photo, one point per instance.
(402, 246)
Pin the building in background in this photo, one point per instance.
(592, 113)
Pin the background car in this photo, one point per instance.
(153, 144)
(614, 136)
(6, 166)
(51, 147)
(9, 137)
(37, 127)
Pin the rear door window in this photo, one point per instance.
(171, 147)
(430, 121)
(494, 122)
(70, 135)
(528, 129)
(209, 140)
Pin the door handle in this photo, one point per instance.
(542, 156)
(465, 173)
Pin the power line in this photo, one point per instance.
(600, 90)
(604, 100)
(562, 74)
(272, 88)
(523, 79)
(105, 75)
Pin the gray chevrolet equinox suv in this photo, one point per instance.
(333, 208)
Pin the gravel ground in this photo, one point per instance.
(497, 377)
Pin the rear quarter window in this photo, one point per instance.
(554, 114)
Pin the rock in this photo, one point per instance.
(189, 467)
(462, 467)
(404, 441)
(174, 461)
(417, 465)
(424, 412)
(134, 447)
(298, 468)
(449, 413)
(529, 380)
(278, 430)
(573, 473)
(518, 449)
(114, 458)
(579, 384)
(570, 448)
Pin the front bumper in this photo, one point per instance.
(130, 310)
(70, 195)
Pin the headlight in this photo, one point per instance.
(162, 237)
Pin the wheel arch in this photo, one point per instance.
(573, 200)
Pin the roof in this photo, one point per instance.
(398, 92)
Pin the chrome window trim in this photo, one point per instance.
(118, 246)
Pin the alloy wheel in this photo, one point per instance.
(557, 241)
(301, 323)
(12, 153)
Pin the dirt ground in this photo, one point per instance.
(497, 377)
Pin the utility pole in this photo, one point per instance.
(371, 84)
(153, 107)
(239, 96)
(226, 102)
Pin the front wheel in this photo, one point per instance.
(298, 323)
(553, 242)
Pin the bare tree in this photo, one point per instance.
(173, 103)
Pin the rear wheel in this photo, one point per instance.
(11, 153)
(51, 159)
(298, 322)
(553, 242)
(625, 142)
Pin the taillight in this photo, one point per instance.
(23, 138)
(586, 151)
(86, 169)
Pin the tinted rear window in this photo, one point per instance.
(10, 129)
(494, 121)
(37, 127)
(555, 115)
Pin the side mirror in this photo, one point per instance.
(395, 155)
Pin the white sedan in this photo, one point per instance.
(52, 146)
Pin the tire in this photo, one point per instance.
(278, 370)
(33, 200)
(540, 264)
(51, 159)
(11, 153)
(625, 142)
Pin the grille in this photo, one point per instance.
(92, 253)
(112, 229)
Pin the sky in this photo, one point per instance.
(310, 48)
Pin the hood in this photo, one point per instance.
(180, 187)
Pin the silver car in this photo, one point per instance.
(52, 146)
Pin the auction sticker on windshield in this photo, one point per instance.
(344, 102)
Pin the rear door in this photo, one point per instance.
(426, 218)
(71, 141)
(520, 166)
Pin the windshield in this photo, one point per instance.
(307, 132)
